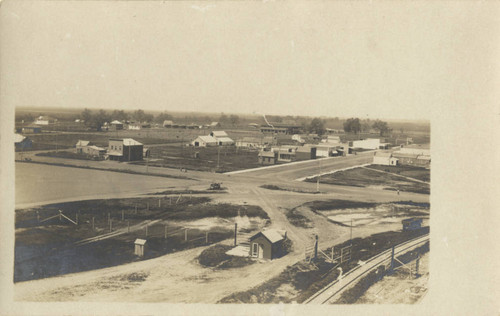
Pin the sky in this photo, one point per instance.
(370, 60)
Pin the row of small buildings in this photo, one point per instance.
(126, 149)
(409, 156)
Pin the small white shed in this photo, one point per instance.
(140, 245)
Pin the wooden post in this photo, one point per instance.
(146, 230)
(60, 215)
(136, 209)
(417, 264)
(170, 200)
(159, 202)
(186, 235)
(110, 225)
(206, 237)
(76, 221)
(316, 248)
(93, 223)
(166, 232)
(109, 217)
(123, 215)
(38, 216)
(235, 232)
(391, 267)
(332, 252)
(128, 226)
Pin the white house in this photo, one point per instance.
(385, 158)
(204, 141)
(224, 141)
(369, 143)
(44, 120)
(218, 134)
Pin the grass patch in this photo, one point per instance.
(277, 188)
(216, 257)
(68, 155)
(418, 173)
(297, 219)
(364, 177)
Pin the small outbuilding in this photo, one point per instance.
(204, 141)
(267, 157)
(140, 245)
(267, 244)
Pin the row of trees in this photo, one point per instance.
(355, 125)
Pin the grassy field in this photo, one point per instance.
(229, 158)
(418, 173)
(45, 249)
(364, 177)
(301, 280)
(67, 154)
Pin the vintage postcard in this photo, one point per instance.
(223, 157)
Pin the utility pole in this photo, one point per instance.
(319, 175)
(218, 156)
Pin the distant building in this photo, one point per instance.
(125, 149)
(305, 153)
(267, 244)
(146, 153)
(116, 125)
(224, 141)
(218, 134)
(369, 143)
(250, 142)
(413, 158)
(44, 120)
(214, 124)
(81, 146)
(280, 129)
(267, 157)
(287, 153)
(31, 129)
(168, 123)
(135, 126)
(385, 159)
(22, 142)
(204, 141)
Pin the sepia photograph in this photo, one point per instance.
(235, 154)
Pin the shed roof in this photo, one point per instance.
(18, 138)
(130, 142)
(207, 139)
(219, 133)
(116, 122)
(225, 139)
(139, 241)
(82, 143)
(271, 234)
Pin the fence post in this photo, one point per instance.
(93, 223)
(166, 232)
(391, 267)
(316, 248)
(123, 215)
(147, 230)
(109, 217)
(333, 248)
(136, 209)
(186, 235)
(159, 202)
(110, 225)
(206, 237)
(60, 215)
(128, 226)
(417, 264)
(38, 216)
(235, 232)
(76, 219)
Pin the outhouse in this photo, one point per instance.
(267, 244)
(140, 245)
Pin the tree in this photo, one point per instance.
(160, 118)
(139, 115)
(119, 115)
(317, 126)
(86, 116)
(382, 127)
(352, 125)
(234, 119)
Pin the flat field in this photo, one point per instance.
(107, 229)
(365, 177)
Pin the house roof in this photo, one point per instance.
(399, 154)
(207, 139)
(225, 140)
(219, 134)
(116, 122)
(82, 143)
(271, 234)
(141, 242)
(19, 138)
(130, 142)
(266, 154)
(96, 148)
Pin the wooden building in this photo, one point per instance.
(140, 245)
(125, 149)
(267, 244)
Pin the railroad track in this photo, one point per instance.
(338, 286)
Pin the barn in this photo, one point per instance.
(267, 244)
(204, 141)
(267, 157)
